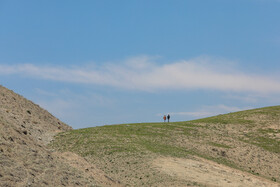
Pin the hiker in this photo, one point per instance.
(168, 117)
(164, 118)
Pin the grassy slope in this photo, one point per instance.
(247, 140)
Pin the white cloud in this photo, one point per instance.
(76, 109)
(45, 93)
(244, 98)
(207, 111)
(142, 73)
(59, 107)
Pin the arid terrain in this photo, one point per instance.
(236, 149)
(25, 160)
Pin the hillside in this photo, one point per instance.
(236, 149)
(25, 129)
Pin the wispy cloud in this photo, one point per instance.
(143, 73)
(77, 109)
(206, 111)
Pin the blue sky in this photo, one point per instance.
(108, 62)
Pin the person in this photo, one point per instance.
(164, 118)
(168, 117)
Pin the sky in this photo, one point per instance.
(93, 62)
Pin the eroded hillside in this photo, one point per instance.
(25, 129)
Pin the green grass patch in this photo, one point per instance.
(219, 145)
(224, 119)
(269, 130)
(107, 140)
(261, 140)
(164, 149)
(268, 144)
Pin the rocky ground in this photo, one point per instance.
(25, 160)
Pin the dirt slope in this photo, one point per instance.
(25, 129)
(209, 173)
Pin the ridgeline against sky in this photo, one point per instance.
(102, 62)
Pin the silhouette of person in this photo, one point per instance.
(168, 117)
(164, 118)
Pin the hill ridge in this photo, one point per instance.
(246, 143)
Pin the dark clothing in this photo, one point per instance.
(168, 117)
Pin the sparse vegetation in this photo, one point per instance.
(190, 153)
(25, 160)
(219, 145)
(242, 140)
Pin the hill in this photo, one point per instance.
(25, 160)
(236, 149)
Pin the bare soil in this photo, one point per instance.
(209, 173)
(25, 160)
